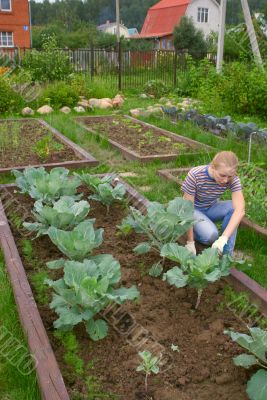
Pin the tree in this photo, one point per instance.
(187, 37)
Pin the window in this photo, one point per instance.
(163, 44)
(202, 14)
(6, 39)
(169, 44)
(5, 5)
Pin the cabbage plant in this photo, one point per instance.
(256, 345)
(78, 243)
(85, 290)
(64, 214)
(47, 186)
(103, 189)
(195, 271)
(161, 224)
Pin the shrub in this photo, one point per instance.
(156, 87)
(50, 64)
(239, 89)
(10, 101)
(60, 94)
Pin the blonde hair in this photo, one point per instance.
(226, 159)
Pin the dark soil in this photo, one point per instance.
(18, 147)
(137, 137)
(203, 367)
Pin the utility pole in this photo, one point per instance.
(250, 30)
(118, 41)
(251, 33)
(220, 47)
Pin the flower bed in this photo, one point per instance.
(255, 194)
(138, 140)
(154, 321)
(34, 142)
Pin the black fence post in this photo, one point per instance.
(119, 66)
(92, 62)
(175, 68)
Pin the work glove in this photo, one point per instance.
(191, 247)
(220, 243)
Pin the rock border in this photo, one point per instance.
(167, 174)
(49, 377)
(86, 159)
(132, 155)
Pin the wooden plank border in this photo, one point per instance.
(132, 155)
(168, 175)
(85, 158)
(49, 377)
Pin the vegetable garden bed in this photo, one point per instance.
(141, 141)
(251, 182)
(33, 142)
(163, 317)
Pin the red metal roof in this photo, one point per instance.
(162, 17)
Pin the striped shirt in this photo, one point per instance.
(204, 188)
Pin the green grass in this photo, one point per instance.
(13, 385)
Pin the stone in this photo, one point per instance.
(135, 112)
(143, 96)
(223, 379)
(205, 336)
(46, 109)
(94, 102)
(84, 104)
(104, 104)
(217, 326)
(128, 174)
(27, 111)
(79, 109)
(65, 110)
(118, 101)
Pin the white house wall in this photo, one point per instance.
(113, 30)
(213, 15)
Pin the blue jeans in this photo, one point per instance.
(206, 232)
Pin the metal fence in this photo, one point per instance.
(123, 69)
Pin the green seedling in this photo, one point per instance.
(149, 365)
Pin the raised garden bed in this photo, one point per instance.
(137, 140)
(33, 142)
(178, 175)
(155, 320)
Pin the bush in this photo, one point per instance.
(10, 101)
(60, 94)
(50, 64)
(156, 88)
(240, 89)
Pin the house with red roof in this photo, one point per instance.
(166, 14)
(14, 24)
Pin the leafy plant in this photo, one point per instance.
(161, 224)
(47, 186)
(103, 189)
(44, 146)
(156, 87)
(64, 214)
(256, 344)
(61, 94)
(149, 365)
(76, 244)
(107, 194)
(10, 101)
(195, 271)
(87, 288)
(50, 63)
